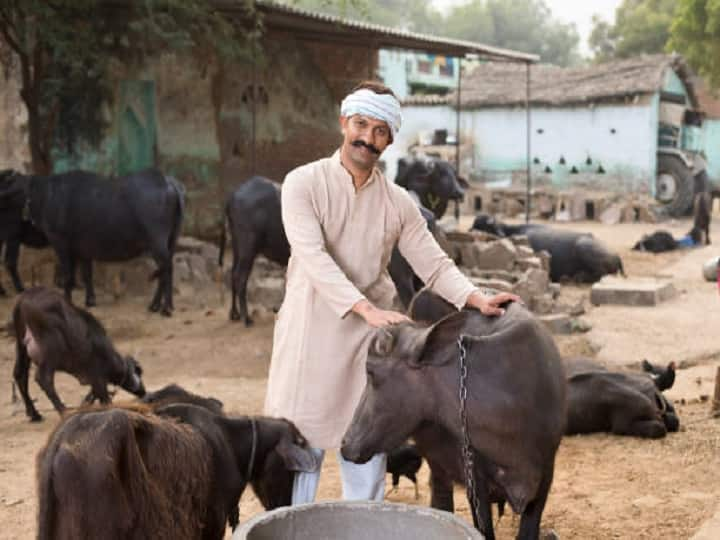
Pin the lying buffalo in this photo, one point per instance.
(15, 229)
(173, 394)
(57, 336)
(253, 215)
(577, 256)
(487, 223)
(622, 403)
(657, 242)
(434, 181)
(179, 473)
(515, 403)
(86, 218)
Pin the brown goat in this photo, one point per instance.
(57, 336)
(128, 473)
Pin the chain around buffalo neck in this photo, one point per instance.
(467, 450)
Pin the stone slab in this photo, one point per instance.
(631, 292)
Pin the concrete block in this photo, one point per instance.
(500, 254)
(496, 284)
(530, 262)
(631, 292)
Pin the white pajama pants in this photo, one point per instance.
(359, 482)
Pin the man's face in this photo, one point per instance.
(364, 139)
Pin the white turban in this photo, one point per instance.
(383, 107)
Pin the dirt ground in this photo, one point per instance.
(605, 486)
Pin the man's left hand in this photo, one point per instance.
(490, 305)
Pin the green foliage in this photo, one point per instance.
(695, 33)
(522, 25)
(65, 48)
(641, 26)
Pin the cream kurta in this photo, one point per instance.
(341, 241)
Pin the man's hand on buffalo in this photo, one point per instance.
(377, 317)
(490, 305)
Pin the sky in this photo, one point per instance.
(579, 12)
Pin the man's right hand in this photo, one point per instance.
(376, 317)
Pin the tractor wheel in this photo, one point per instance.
(674, 185)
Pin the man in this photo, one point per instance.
(342, 219)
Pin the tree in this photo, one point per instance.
(695, 32)
(522, 25)
(64, 49)
(641, 26)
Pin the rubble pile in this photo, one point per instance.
(505, 264)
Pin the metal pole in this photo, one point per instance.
(457, 132)
(457, 117)
(527, 142)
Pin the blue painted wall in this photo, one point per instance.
(401, 69)
(620, 138)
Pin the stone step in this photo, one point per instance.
(631, 292)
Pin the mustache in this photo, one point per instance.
(370, 147)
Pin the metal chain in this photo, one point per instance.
(467, 450)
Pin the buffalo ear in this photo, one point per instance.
(463, 183)
(383, 343)
(297, 458)
(411, 342)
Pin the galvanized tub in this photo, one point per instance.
(359, 520)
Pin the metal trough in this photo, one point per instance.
(356, 521)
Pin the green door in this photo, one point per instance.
(136, 144)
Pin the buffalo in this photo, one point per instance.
(86, 218)
(434, 181)
(253, 215)
(120, 473)
(57, 336)
(15, 229)
(657, 242)
(622, 403)
(575, 256)
(515, 403)
(173, 394)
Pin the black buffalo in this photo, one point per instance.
(173, 394)
(702, 214)
(253, 215)
(487, 223)
(15, 229)
(622, 403)
(657, 242)
(576, 256)
(86, 217)
(516, 403)
(434, 181)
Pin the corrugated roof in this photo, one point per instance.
(502, 84)
(329, 27)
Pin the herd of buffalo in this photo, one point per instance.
(172, 464)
